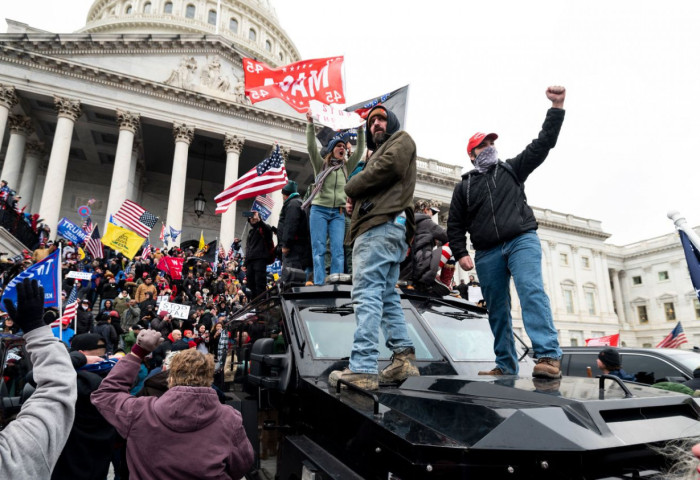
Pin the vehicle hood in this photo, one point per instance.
(525, 413)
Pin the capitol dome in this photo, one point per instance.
(251, 25)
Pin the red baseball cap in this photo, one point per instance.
(478, 138)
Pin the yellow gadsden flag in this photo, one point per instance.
(123, 240)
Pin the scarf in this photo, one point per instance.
(334, 164)
(486, 159)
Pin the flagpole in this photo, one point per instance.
(59, 290)
(682, 224)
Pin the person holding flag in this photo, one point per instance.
(327, 198)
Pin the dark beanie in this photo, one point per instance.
(290, 188)
(87, 341)
(610, 357)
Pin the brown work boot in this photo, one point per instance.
(495, 371)
(366, 381)
(547, 368)
(402, 366)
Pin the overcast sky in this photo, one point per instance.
(628, 149)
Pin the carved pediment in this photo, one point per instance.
(208, 75)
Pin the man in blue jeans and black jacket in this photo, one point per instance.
(491, 205)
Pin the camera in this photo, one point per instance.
(248, 214)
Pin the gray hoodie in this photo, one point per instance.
(32, 443)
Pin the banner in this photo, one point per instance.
(70, 231)
(606, 341)
(334, 117)
(172, 266)
(79, 275)
(122, 240)
(318, 79)
(175, 309)
(46, 272)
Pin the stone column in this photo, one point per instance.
(618, 297)
(35, 151)
(277, 194)
(132, 191)
(128, 126)
(583, 306)
(184, 134)
(8, 99)
(20, 127)
(604, 294)
(50, 209)
(556, 295)
(234, 146)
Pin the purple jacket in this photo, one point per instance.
(186, 433)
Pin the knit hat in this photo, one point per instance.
(378, 110)
(87, 341)
(289, 188)
(610, 357)
(162, 314)
(339, 137)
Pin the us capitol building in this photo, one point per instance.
(146, 102)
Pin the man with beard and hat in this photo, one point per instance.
(380, 200)
(293, 232)
(491, 205)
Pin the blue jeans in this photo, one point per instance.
(520, 257)
(326, 222)
(375, 258)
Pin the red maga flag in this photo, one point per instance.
(268, 176)
(318, 79)
(606, 341)
(172, 266)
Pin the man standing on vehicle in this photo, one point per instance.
(380, 199)
(490, 204)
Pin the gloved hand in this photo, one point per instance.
(29, 312)
(146, 342)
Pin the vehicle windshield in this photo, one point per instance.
(331, 333)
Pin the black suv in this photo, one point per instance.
(449, 422)
(648, 365)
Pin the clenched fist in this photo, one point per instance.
(557, 94)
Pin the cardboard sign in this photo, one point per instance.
(475, 294)
(175, 309)
(334, 117)
(80, 275)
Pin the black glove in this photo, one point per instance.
(30, 305)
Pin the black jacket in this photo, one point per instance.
(85, 321)
(259, 242)
(293, 230)
(492, 206)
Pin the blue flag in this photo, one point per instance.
(693, 258)
(46, 272)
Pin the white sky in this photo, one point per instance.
(627, 151)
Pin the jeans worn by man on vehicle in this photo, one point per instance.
(520, 257)
(376, 257)
(325, 223)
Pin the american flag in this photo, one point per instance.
(229, 257)
(94, 245)
(135, 217)
(674, 339)
(71, 307)
(163, 234)
(268, 176)
(87, 225)
(147, 250)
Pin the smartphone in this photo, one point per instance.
(248, 214)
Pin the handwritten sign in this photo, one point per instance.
(175, 309)
(334, 117)
(80, 275)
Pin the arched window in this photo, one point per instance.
(212, 17)
(189, 11)
(129, 9)
(147, 7)
(168, 7)
(251, 35)
(233, 25)
(268, 46)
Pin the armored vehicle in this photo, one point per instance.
(448, 423)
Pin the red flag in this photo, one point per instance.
(606, 341)
(268, 176)
(172, 266)
(318, 79)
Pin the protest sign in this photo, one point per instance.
(334, 117)
(80, 275)
(175, 309)
(70, 231)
